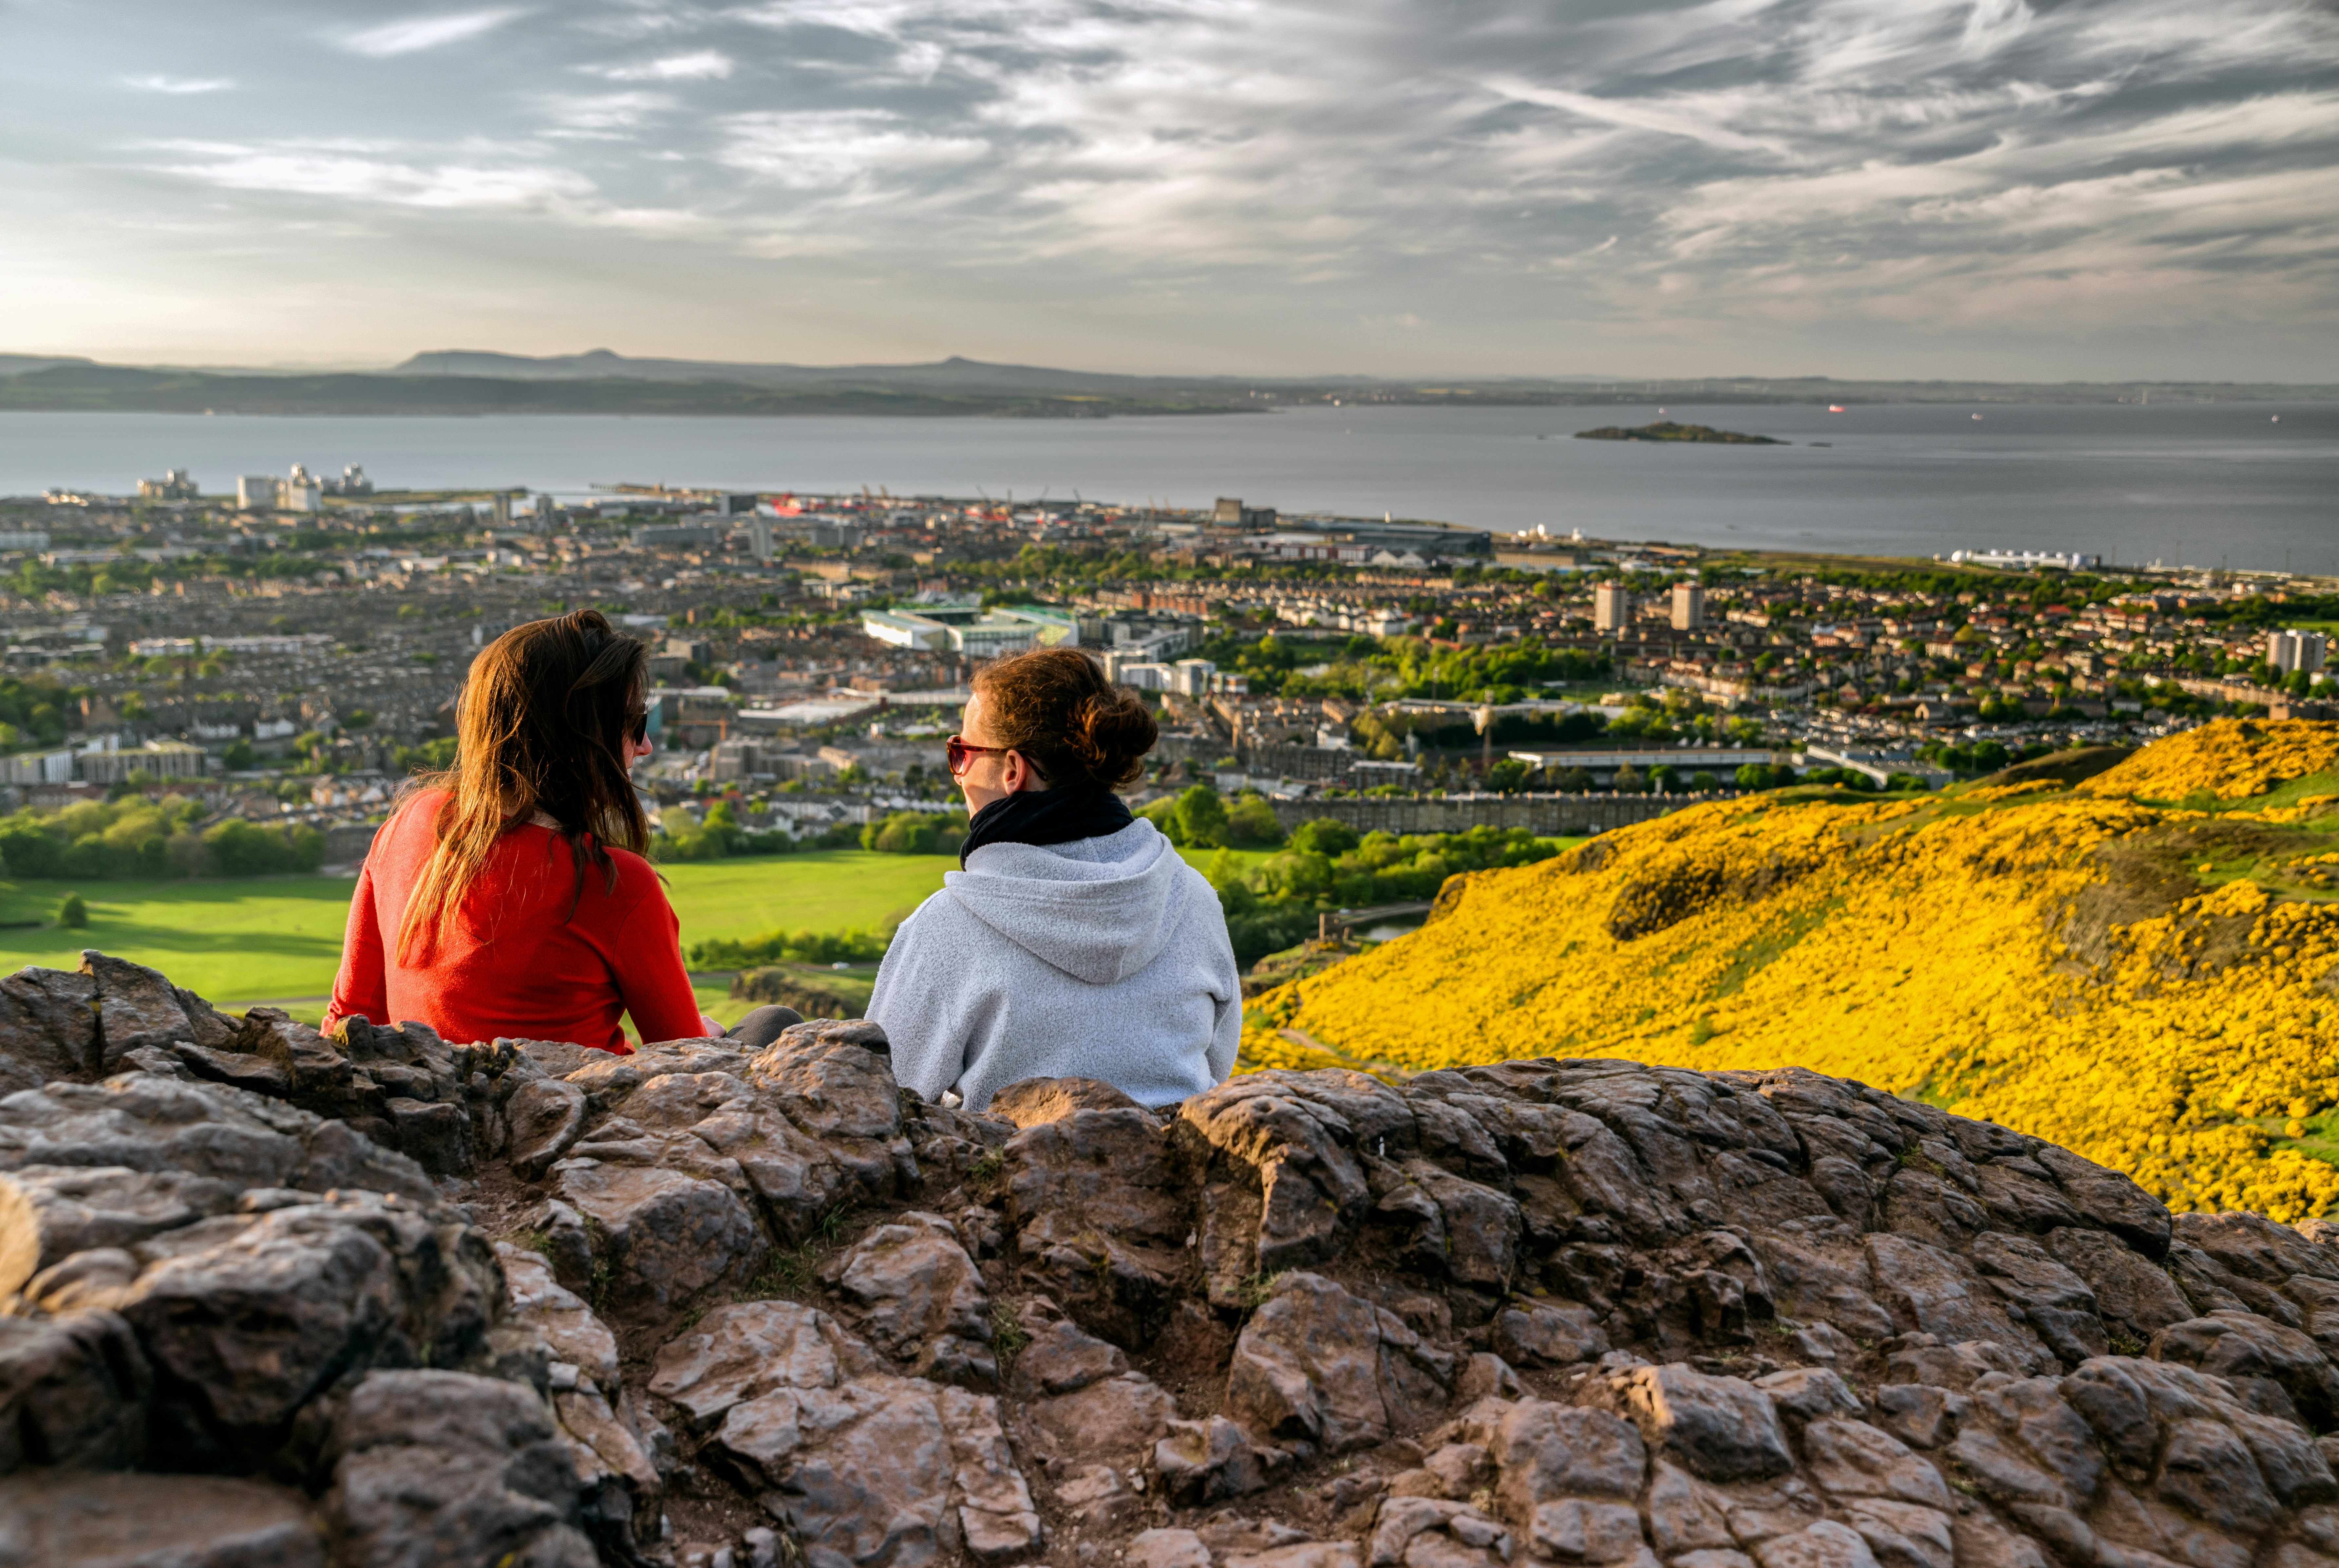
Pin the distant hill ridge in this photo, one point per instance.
(463, 381)
(89, 387)
(955, 372)
(647, 385)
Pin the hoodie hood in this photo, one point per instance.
(1099, 909)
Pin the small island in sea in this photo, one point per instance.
(1666, 430)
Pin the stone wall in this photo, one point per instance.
(380, 1299)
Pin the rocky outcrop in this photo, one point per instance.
(274, 1297)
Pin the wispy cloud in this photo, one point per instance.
(412, 34)
(812, 151)
(375, 173)
(700, 65)
(1701, 167)
(1690, 121)
(608, 114)
(178, 86)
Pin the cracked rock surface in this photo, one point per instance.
(271, 1297)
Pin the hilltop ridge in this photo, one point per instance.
(2141, 965)
(955, 372)
(476, 382)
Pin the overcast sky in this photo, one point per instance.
(1993, 188)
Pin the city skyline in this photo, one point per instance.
(1806, 187)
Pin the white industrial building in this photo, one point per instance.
(966, 628)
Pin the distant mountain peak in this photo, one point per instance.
(955, 374)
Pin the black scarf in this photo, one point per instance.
(1046, 816)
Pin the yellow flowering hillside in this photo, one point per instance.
(2155, 985)
(2232, 761)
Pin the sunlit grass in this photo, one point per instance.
(279, 939)
(239, 941)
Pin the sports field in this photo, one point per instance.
(279, 939)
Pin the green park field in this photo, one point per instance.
(239, 942)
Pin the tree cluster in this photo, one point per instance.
(138, 837)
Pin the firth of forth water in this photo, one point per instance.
(2241, 485)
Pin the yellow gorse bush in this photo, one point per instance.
(2151, 986)
(2232, 760)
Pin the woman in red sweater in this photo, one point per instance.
(507, 896)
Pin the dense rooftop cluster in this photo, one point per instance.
(292, 664)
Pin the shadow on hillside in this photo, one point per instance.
(2065, 768)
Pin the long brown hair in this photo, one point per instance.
(1055, 706)
(545, 724)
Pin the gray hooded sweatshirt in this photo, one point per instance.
(1103, 958)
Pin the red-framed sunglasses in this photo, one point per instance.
(958, 756)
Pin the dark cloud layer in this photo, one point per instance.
(1893, 186)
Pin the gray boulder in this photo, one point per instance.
(247, 1318)
(440, 1467)
(663, 1237)
(751, 1348)
(1723, 1428)
(545, 1116)
(862, 1467)
(1090, 1424)
(1317, 1365)
(922, 1299)
(884, 1468)
(558, 1316)
(143, 1122)
(1101, 1216)
(1544, 1333)
(74, 1393)
(48, 1028)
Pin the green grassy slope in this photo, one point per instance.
(280, 938)
(234, 941)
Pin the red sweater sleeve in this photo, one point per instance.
(363, 984)
(650, 973)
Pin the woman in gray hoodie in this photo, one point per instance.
(1074, 942)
